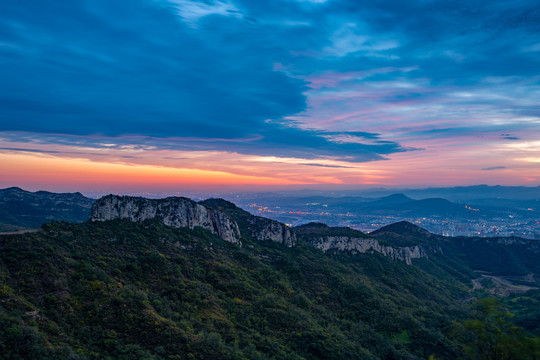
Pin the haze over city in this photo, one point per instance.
(130, 96)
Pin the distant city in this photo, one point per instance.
(484, 211)
(510, 226)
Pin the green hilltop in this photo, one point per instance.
(119, 289)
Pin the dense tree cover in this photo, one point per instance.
(123, 290)
(404, 233)
(21, 209)
(490, 334)
(526, 310)
(319, 229)
(507, 256)
(511, 256)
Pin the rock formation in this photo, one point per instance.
(259, 228)
(173, 211)
(264, 229)
(363, 245)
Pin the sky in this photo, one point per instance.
(156, 95)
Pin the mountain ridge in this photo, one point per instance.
(21, 209)
(123, 289)
(127, 285)
(184, 212)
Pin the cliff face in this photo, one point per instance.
(174, 212)
(251, 226)
(217, 216)
(264, 229)
(363, 245)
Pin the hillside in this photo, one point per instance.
(157, 279)
(20, 209)
(121, 289)
(499, 256)
(404, 233)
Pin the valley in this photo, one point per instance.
(498, 285)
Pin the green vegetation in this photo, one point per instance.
(124, 290)
(404, 233)
(491, 335)
(526, 309)
(498, 256)
(319, 229)
(21, 209)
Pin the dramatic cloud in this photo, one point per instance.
(181, 69)
(346, 82)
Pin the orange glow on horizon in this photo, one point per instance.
(22, 168)
(127, 170)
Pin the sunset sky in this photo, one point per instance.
(154, 95)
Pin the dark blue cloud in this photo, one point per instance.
(493, 168)
(140, 68)
(327, 166)
(227, 75)
(509, 137)
(130, 68)
(30, 150)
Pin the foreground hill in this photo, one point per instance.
(158, 279)
(20, 209)
(506, 256)
(120, 289)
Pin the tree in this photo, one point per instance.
(490, 335)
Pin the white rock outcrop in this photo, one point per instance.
(364, 245)
(173, 211)
(264, 229)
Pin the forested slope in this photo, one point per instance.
(119, 289)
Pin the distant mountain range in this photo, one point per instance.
(20, 209)
(456, 193)
(404, 206)
(509, 197)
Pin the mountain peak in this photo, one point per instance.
(218, 216)
(218, 203)
(16, 188)
(312, 224)
(398, 196)
(13, 189)
(403, 233)
(393, 199)
(171, 211)
(403, 228)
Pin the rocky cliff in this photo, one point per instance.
(172, 211)
(363, 245)
(328, 238)
(251, 226)
(264, 229)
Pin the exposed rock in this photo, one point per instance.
(264, 229)
(363, 245)
(173, 211)
(261, 229)
(328, 238)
